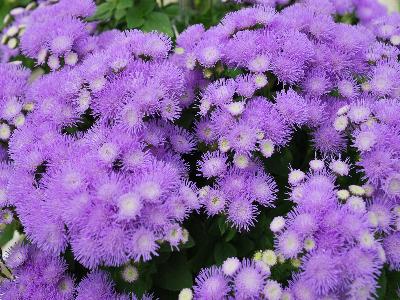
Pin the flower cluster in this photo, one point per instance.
(37, 275)
(117, 188)
(340, 256)
(117, 137)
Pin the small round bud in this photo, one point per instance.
(130, 273)
(272, 290)
(356, 190)
(260, 80)
(235, 108)
(343, 194)
(281, 258)
(356, 204)
(4, 39)
(12, 43)
(71, 58)
(31, 6)
(317, 164)
(19, 120)
(257, 255)
(296, 176)
(224, 145)
(267, 148)
(185, 294)
(11, 31)
(366, 86)
(277, 224)
(17, 11)
(343, 110)
(84, 100)
(395, 40)
(366, 240)
(339, 167)
(230, 266)
(369, 190)
(381, 253)
(5, 132)
(340, 123)
(41, 58)
(309, 244)
(241, 161)
(269, 257)
(203, 192)
(295, 262)
(260, 135)
(53, 62)
(98, 84)
(28, 106)
(7, 19)
(179, 50)
(185, 236)
(207, 73)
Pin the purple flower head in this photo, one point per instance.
(322, 271)
(97, 285)
(248, 280)
(211, 283)
(242, 213)
(391, 246)
(212, 164)
(37, 275)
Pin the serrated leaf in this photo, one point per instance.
(146, 6)
(124, 4)
(223, 226)
(222, 251)
(103, 11)
(7, 234)
(230, 235)
(120, 13)
(172, 10)
(158, 21)
(175, 274)
(134, 18)
(382, 282)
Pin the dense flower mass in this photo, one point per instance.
(114, 140)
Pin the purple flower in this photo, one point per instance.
(211, 283)
(248, 280)
(391, 246)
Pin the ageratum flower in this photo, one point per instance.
(40, 274)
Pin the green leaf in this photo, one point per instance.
(134, 18)
(392, 282)
(146, 6)
(172, 10)
(230, 235)
(175, 274)
(158, 21)
(103, 11)
(244, 246)
(124, 4)
(279, 162)
(222, 251)
(7, 234)
(120, 13)
(223, 226)
(189, 244)
(382, 282)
